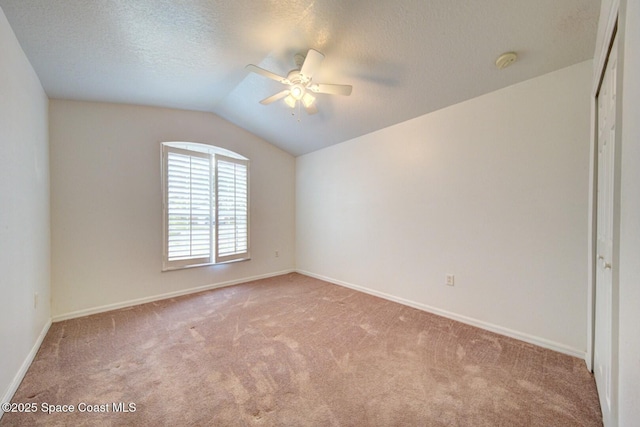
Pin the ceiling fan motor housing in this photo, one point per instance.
(294, 77)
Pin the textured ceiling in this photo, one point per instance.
(404, 58)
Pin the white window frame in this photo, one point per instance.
(216, 155)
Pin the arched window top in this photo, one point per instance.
(204, 148)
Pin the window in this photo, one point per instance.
(205, 205)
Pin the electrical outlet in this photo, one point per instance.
(450, 280)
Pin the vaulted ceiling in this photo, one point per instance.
(404, 58)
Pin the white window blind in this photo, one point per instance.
(232, 212)
(206, 207)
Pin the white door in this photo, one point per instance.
(603, 299)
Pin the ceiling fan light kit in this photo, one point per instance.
(300, 82)
(307, 100)
(290, 101)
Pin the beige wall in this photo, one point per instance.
(493, 190)
(106, 204)
(24, 212)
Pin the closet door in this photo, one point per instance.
(604, 249)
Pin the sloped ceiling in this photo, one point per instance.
(404, 58)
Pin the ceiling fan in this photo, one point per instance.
(300, 82)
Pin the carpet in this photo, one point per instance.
(295, 351)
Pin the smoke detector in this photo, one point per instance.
(506, 59)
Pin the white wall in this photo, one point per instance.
(24, 212)
(629, 285)
(106, 203)
(493, 190)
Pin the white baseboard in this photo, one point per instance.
(8, 395)
(138, 301)
(531, 339)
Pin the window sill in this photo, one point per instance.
(206, 264)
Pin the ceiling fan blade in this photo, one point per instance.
(267, 73)
(311, 64)
(331, 89)
(275, 97)
(311, 109)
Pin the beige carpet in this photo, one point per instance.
(296, 351)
